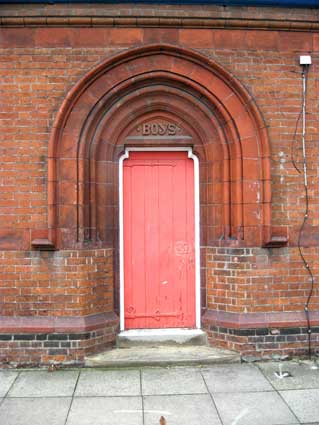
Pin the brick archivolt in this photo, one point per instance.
(159, 84)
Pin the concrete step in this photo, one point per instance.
(161, 356)
(154, 337)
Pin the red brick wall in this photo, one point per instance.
(247, 280)
(39, 70)
(38, 66)
(56, 283)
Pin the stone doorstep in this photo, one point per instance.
(151, 337)
(162, 356)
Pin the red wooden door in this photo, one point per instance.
(159, 240)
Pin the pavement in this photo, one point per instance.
(221, 394)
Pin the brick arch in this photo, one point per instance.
(168, 83)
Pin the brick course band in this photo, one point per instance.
(86, 336)
(248, 321)
(163, 21)
(56, 325)
(264, 341)
(163, 16)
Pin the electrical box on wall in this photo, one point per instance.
(305, 60)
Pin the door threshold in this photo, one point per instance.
(161, 356)
(156, 337)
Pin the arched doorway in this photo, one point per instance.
(158, 97)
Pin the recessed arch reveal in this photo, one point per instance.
(159, 83)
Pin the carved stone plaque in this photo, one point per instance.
(158, 129)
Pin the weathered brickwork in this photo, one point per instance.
(258, 296)
(263, 343)
(58, 283)
(68, 348)
(36, 286)
(249, 280)
(252, 297)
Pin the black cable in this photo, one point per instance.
(306, 214)
(294, 139)
(307, 267)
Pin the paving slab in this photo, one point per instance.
(7, 378)
(257, 408)
(109, 383)
(304, 403)
(303, 376)
(181, 410)
(106, 411)
(178, 380)
(235, 378)
(161, 356)
(44, 384)
(34, 411)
